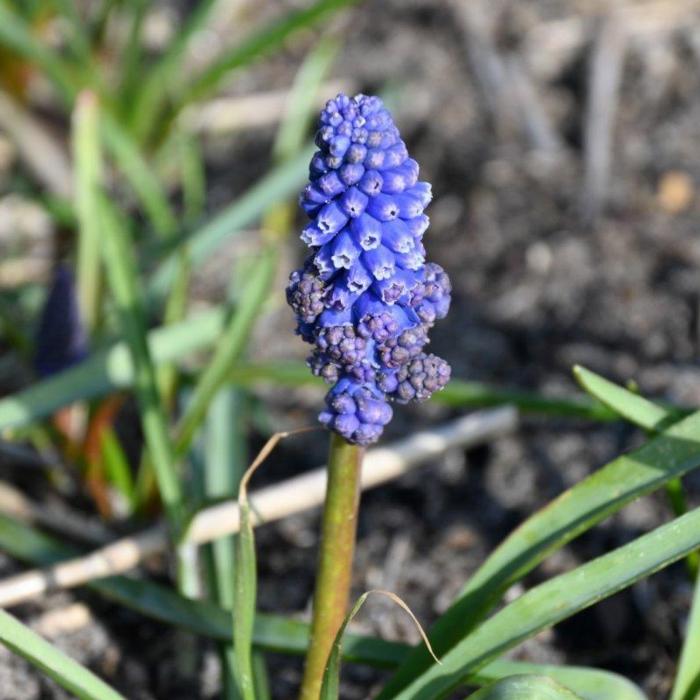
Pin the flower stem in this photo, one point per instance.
(335, 559)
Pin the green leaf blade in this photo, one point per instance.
(137, 171)
(668, 456)
(259, 44)
(229, 349)
(281, 634)
(555, 600)
(525, 688)
(244, 601)
(589, 683)
(279, 184)
(88, 171)
(108, 370)
(687, 682)
(54, 663)
(634, 408)
(124, 285)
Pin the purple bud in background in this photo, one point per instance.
(365, 298)
(61, 341)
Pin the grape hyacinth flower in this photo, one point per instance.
(365, 298)
(61, 341)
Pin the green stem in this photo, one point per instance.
(335, 559)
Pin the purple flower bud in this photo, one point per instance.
(409, 207)
(339, 146)
(371, 183)
(324, 264)
(314, 195)
(393, 181)
(365, 298)
(329, 185)
(409, 172)
(373, 411)
(422, 191)
(353, 202)
(395, 155)
(305, 294)
(346, 425)
(413, 260)
(431, 297)
(351, 174)
(421, 378)
(318, 165)
(61, 341)
(396, 287)
(418, 225)
(356, 411)
(356, 153)
(397, 351)
(340, 296)
(383, 207)
(374, 158)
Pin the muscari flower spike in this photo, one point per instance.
(365, 298)
(61, 341)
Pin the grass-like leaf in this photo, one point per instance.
(244, 592)
(117, 468)
(525, 688)
(140, 176)
(280, 634)
(133, 56)
(330, 688)
(649, 416)
(279, 184)
(458, 394)
(54, 663)
(16, 35)
(626, 478)
(124, 285)
(88, 171)
(149, 98)
(263, 42)
(228, 350)
(109, 370)
(687, 683)
(636, 409)
(554, 601)
(225, 460)
(300, 103)
(589, 683)
(245, 585)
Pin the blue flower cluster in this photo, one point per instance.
(365, 298)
